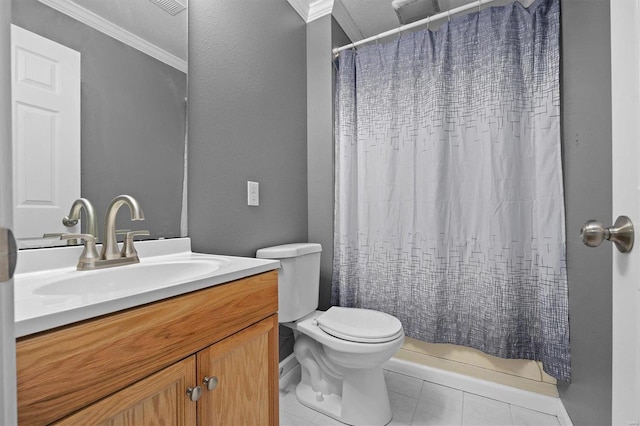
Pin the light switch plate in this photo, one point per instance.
(253, 193)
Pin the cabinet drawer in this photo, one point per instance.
(63, 370)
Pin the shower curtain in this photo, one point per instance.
(449, 207)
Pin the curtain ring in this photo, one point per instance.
(449, 15)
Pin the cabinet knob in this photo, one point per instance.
(194, 393)
(210, 382)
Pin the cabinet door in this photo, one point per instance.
(245, 366)
(159, 399)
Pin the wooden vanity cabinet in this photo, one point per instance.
(134, 367)
(156, 400)
(240, 367)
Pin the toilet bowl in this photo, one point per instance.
(349, 340)
(340, 350)
(343, 378)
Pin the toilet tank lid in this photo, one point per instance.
(288, 250)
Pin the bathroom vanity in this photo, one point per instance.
(205, 355)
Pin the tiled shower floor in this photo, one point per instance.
(418, 402)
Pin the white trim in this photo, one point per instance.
(531, 400)
(319, 8)
(625, 154)
(346, 21)
(563, 416)
(287, 364)
(310, 10)
(97, 22)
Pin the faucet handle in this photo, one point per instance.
(89, 254)
(86, 237)
(52, 234)
(128, 249)
(70, 242)
(123, 233)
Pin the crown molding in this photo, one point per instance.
(310, 10)
(107, 27)
(319, 8)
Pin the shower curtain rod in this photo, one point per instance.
(447, 14)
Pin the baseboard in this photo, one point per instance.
(287, 364)
(508, 394)
(563, 416)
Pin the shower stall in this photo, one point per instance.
(449, 205)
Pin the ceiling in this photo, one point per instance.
(359, 18)
(372, 17)
(146, 20)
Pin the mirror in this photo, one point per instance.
(133, 88)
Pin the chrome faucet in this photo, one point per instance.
(91, 227)
(110, 255)
(110, 244)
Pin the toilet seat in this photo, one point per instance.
(360, 325)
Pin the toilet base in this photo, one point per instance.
(364, 399)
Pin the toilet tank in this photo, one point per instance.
(298, 278)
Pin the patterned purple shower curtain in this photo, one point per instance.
(449, 206)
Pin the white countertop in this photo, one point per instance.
(36, 268)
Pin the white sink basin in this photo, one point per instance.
(127, 279)
(49, 292)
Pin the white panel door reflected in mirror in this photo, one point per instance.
(45, 92)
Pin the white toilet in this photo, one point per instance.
(341, 350)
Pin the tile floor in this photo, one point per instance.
(418, 402)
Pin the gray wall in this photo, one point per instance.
(133, 120)
(243, 128)
(247, 97)
(320, 147)
(247, 121)
(586, 114)
(322, 35)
